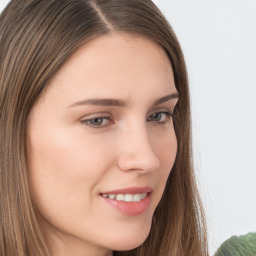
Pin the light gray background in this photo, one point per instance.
(219, 40)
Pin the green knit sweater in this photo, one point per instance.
(238, 246)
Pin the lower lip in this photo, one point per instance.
(129, 208)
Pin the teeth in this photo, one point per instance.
(126, 197)
(142, 196)
(120, 197)
(136, 198)
(112, 196)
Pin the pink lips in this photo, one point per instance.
(129, 208)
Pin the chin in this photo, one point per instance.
(131, 241)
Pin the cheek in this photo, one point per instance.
(168, 152)
(63, 154)
(166, 149)
(64, 168)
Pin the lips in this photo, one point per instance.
(129, 201)
(126, 197)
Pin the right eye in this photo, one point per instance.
(97, 122)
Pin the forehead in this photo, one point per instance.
(115, 65)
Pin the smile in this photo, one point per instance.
(126, 197)
(129, 201)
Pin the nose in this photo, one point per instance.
(137, 152)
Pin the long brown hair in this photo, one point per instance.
(36, 38)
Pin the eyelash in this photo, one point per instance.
(88, 122)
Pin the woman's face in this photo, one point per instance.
(101, 145)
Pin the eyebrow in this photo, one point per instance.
(166, 98)
(119, 102)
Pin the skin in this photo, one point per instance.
(72, 158)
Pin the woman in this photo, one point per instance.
(95, 132)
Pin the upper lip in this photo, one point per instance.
(130, 190)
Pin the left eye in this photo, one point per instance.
(160, 117)
(97, 122)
